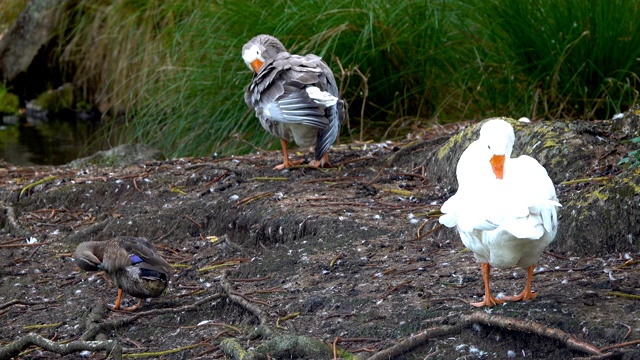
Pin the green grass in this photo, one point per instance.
(9, 10)
(9, 103)
(175, 69)
(574, 58)
(375, 48)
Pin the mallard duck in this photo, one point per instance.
(505, 208)
(132, 264)
(295, 97)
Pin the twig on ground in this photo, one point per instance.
(623, 295)
(27, 303)
(239, 138)
(410, 147)
(252, 198)
(577, 181)
(358, 159)
(188, 217)
(629, 331)
(394, 288)
(19, 245)
(435, 228)
(560, 270)
(285, 318)
(36, 183)
(156, 354)
(251, 280)
(615, 346)
(376, 177)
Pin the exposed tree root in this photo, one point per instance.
(480, 317)
(14, 348)
(264, 328)
(22, 302)
(96, 327)
(280, 346)
(13, 223)
(569, 340)
(415, 341)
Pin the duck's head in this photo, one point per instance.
(498, 136)
(260, 49)
(86, 259)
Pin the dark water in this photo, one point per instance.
(52, 142)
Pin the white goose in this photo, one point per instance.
(505, 208)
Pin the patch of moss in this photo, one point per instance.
(55, 100)
(9, 103)
(600, 195)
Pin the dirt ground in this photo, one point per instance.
(345, 256)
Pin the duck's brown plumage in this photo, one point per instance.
(132, 263)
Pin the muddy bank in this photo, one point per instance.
(307, 258)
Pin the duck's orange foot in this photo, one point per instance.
(118, 307)
(134, 307)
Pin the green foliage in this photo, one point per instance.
(9, 103)
(633, 157)
(9, 11)
(372, 47)
(575, 58)
(175, 68)
(55, 100)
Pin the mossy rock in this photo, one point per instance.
(9, 103)
(598, 216)
(564, 148)
(602, 217)
(120, 156)
(51, 102)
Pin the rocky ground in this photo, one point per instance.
(304, 264)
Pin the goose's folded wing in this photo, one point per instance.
(295, 107)
(470, 210)
(297, 90)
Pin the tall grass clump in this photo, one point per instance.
(390, 67)
(181, 75)
(112, 48)
(570, 58)
(175, 70)
(9, 11)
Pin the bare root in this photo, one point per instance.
(13, 349)
(480, 317)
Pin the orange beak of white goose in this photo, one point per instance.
(256, 65)
(497, 164)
